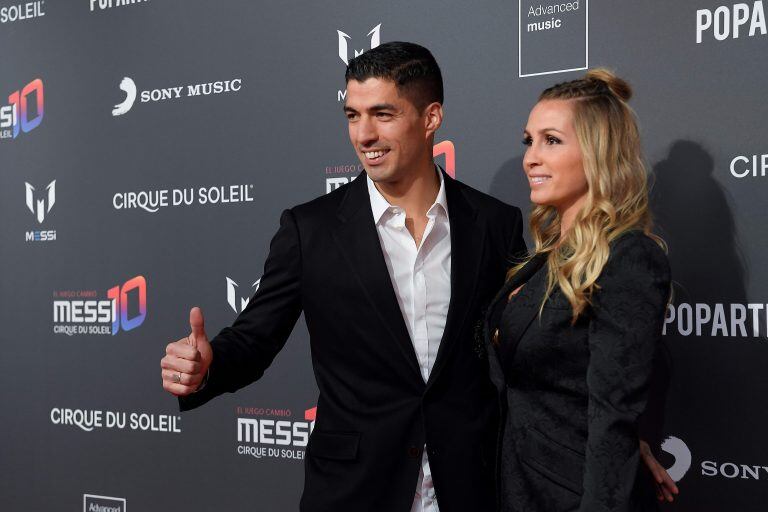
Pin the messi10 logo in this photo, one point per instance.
(24, 112)
(113, 310)
(119, 297)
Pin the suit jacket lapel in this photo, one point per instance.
(526, 305)
(359, 243)
(467, 245)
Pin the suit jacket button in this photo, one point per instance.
(413, 452)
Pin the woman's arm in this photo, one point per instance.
(625, 329)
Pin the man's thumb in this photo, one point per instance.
(196, 322)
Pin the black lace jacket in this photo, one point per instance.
(573, 393)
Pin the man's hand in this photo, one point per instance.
(665, 486)
(186, 361)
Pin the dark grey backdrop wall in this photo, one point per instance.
(148, 147)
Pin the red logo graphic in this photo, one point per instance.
(446, 148)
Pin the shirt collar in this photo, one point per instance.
(379, 205)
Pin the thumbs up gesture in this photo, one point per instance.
(187, 360)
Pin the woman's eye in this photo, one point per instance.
(552, 140)
(527, 141)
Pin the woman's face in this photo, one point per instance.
(553, 160)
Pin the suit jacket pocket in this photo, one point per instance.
(556, 462)
(334, 445)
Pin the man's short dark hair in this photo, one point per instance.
(411, 66)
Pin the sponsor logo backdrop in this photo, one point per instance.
(153, 144)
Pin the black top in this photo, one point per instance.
(528, 298)
(502, 310)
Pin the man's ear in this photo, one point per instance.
(433, 118)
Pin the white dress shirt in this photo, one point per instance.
(421, 277)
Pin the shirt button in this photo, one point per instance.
(413, 452)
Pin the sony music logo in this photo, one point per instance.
(709, 468)
(128, 86)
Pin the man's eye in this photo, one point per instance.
(351, 117)
(383, 115)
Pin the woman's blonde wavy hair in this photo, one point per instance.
(617, 197)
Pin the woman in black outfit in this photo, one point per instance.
(573, 334)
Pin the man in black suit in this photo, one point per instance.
(407, 415)
(406, 411)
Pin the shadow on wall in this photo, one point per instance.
(510, 185)
(693, 215)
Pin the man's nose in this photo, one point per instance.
(366, 132)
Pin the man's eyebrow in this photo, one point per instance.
(373, 108)
(382, 106)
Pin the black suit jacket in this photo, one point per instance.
(574, 393)
(374, 412)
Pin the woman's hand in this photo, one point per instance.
(666, 489)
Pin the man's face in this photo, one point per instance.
(390, 136)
